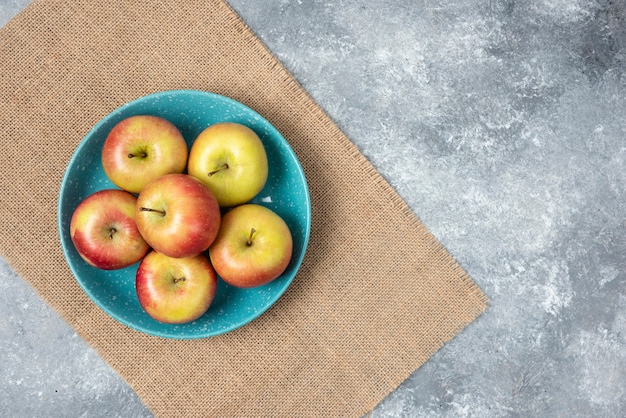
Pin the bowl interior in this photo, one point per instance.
(285, 192)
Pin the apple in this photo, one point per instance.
(175, 290)
(178, 215)
(104, 232)
(142, 148)
(231, 159)
(253, 247)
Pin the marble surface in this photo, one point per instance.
(502, 124)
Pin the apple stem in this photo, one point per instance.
(252, 231)
(176, 280)
(141, 155)
(112, 232)
(162, 212)
(222, 167)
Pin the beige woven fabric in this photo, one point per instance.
(376, 294)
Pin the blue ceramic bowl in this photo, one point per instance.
(285, 192)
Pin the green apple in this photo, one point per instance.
(175, 290)
(231, 159)
(178, 215)
(253, 247)
(142, 148)
(104, 232)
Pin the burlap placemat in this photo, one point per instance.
(376, 295)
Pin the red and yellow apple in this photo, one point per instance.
(175, 290)
(178, 215)
(231, 159)
(104, 232)
(142, 148)
(253, 247)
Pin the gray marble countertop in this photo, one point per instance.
(502, 124)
